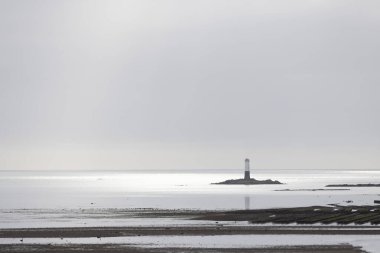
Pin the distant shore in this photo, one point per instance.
(353, 185)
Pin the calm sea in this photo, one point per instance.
(169, 190)
(87, 198)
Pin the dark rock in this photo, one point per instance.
(353, 185)
(249, 181)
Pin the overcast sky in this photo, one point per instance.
(197, 84)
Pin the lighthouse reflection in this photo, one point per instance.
(247, 202)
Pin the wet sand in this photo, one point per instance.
(78, 232)
(302, 215)
(222, 223)
(23, 248)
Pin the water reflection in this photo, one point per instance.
(247, 202)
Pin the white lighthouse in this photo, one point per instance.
(247, 175)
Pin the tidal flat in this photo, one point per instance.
(184, 212)
(305, 229)
(112, 248)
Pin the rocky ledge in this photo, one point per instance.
(249, 181)
(353, 185)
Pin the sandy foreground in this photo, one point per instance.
(190, 239)
(83, 232)
(309, 229)
(129, 249)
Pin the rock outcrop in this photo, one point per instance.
(250, 181)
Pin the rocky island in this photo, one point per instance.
(247, 180)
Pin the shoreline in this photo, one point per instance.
(217, 229)
(112, 248)
(246, 228)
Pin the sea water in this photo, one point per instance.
(46, 192)
(173, 190)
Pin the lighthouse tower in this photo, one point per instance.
(247, 175)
